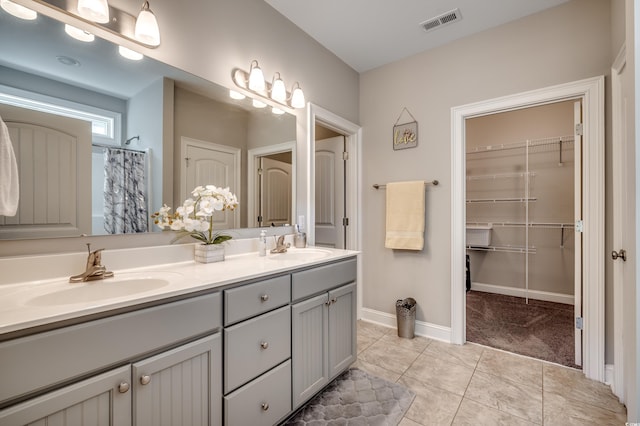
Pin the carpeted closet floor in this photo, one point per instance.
(542, 330)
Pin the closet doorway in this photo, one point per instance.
(591, 92)
(523, 190)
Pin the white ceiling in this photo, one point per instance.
(369, 33)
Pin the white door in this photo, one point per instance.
(329, 200)
(55, 195)
(577, 205)
(275, 192)
(623, 162)
(207, 163)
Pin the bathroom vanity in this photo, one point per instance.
(240, 342)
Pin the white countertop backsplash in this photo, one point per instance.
(24, 278)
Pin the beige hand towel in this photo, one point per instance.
(405, 215)
(9, 189)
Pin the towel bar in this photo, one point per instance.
(383, 186)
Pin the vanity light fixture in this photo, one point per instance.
(94, 10)
(256, 78)
(258, 104)
(236, 95)
(129, 54)
(275, 91)
(79, 34)
(278, 91)
(146, 29)
(97, 17)
(297, 96)
(18, 10)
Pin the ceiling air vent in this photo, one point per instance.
(441, 20)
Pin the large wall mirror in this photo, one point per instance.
(91, 129)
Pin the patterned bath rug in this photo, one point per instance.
(356, 398)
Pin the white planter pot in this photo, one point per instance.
(209, 253)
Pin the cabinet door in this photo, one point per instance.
(182, 386)
(342, 329)
(309, 351)
(101, 400)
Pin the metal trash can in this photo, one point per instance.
(406, 317)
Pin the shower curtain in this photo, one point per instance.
(125, 191)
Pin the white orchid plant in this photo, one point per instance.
(195, 217)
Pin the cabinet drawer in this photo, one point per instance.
(255, 346)
(322, 278)
(253, 299)
(264, 401)
(35, 362)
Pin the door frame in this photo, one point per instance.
(617, 134)
(353, 179)
(591, 91)
(253, 156)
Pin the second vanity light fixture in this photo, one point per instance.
(254, 82)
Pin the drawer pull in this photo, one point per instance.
(264, 345)
(145, 380)
(265, 406)
(123, 387)
(264, 297)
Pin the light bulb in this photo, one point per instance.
(78, 34)
(18, 10)
(277, 111)
(256, 78)
(147, 30)
(236, 95)
(297, 97)
(278, 91)
(258, 104)
(129, 54)
(94, 10)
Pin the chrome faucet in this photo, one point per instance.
(280, 247)
(95, 270)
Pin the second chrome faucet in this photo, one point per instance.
(280, 247)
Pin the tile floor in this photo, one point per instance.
(473, 384)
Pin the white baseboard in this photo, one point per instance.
(425, 329)
(520, 292)
(608, 375)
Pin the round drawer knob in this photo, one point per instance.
(123, 387)
(145, 380)
(264, 297)
(264, 345)
(265, 406)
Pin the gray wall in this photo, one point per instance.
(567, 43)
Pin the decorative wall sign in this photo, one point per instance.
(405, 135)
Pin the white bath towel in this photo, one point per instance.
(9, 188)
(405, 215)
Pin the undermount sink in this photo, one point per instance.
(301, 254)
(125, 284)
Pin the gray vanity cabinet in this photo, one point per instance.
(157, 379)
(100, 400)
(176, 387)
(180, 386)
(323, 327)
(257, 352)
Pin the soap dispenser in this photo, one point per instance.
(262, 244)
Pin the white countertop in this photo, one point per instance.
(18, 310)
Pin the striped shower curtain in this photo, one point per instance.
(125, 191)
